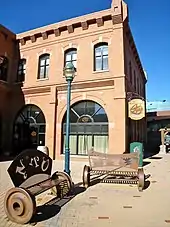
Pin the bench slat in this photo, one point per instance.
(44, 186)
(123, 162)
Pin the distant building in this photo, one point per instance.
(102, 49)
(153, 106)
(158, 116)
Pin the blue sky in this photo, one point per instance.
(149, 20)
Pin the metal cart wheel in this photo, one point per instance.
(64, 187)
(141, 179)
(19, 205)
(86, 176)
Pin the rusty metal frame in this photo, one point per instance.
(114, 175)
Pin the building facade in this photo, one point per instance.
(158, 117)
(102, 49)
(9, 55)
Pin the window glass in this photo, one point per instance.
(47, 61)
(98, 52)
(105, 62)
(105, 50)
(42, 70)
(101, 57)
(98, 64)
(44, 62)
(71, 56)
(29, 128)
(75, 64)
(74, 56)
(88, 128)
(68, 57)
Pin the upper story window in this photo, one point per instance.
(101, 57)
(21, 70)
(71, 56)
(44, 62)
(3, 68)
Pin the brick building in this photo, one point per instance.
(102, 49)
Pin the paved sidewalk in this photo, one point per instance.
(105, 205)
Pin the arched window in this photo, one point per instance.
(88, 128)
(3, 68)
(43, 68)
(71, 56)
(101, 57)
(29, 128)
(21, 70)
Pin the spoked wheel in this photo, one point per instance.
(19, 205)
(86, 176)
(64, 184)
(141, 179)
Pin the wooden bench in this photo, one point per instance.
(114, 168)
(30, 173)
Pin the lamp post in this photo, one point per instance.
(69, 74)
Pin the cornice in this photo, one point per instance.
(83, 22)
(100, 31)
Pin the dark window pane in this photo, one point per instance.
(29, 133)
(3, 68)
(41, 139)
(40, 118)
(44, 62)
(80, 108)
(42, 129)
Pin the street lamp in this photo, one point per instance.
(69, 74)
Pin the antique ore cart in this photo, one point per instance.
(30, 172)
(114, 168)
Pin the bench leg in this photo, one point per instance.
(19, 205)
(141, 179)
(64, 187)
(86, 176)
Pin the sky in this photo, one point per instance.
(149, 22)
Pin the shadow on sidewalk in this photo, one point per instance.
(147, 184)
(53, 207)
(155, 158)
(145, 163)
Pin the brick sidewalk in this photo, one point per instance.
(105, 205)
